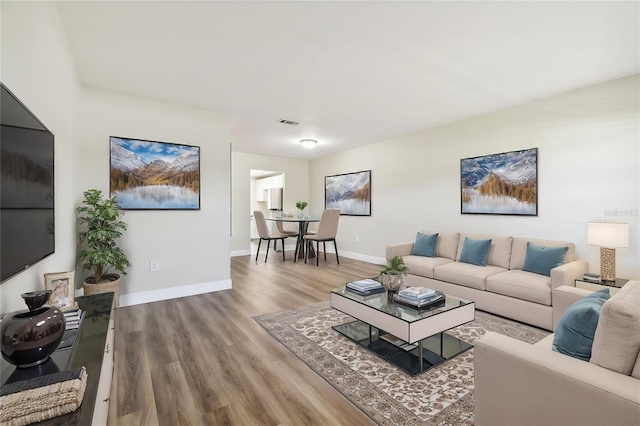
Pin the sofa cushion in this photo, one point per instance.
(636, 368)
(542, 259)
(499, 251)
(466, 274)
(617, 340)
(475, 251)
(446, 244)
(425, 245)
(574, 334)
(521, 285)
(423, 266)
(519, 250)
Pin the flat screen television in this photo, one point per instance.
(27, 226)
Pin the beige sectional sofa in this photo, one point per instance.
(501, 287)
(517, 383)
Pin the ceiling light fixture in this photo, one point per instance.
(308, 143)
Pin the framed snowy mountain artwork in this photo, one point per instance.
(349, 192)
(504, 183)
(147, 175)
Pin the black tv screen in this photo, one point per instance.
(26, 183)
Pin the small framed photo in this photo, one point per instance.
(62, 286)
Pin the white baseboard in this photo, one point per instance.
(347, 254)
(362, 257)
(173, 292)
(263, 249)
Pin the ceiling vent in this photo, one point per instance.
(289, 122)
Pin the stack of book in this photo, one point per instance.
(366, 287)
(594, 278)
(418, 297)
(73, 317)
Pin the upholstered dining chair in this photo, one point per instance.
(327, 230)
(263, 232)
(283, 231)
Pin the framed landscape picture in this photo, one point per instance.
(148, 175)
(349, 192)
(504, 183)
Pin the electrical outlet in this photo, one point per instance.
(357, 239)
(154, 265)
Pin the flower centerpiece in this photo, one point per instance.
(301, 205)
(393, 274)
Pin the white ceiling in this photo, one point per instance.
(352, 73)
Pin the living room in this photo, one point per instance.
(588, 169)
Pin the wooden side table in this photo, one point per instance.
(613, 286)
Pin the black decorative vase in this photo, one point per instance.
(31, 335)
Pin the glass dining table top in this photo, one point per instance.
(294, 219)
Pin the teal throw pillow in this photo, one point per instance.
(475, 251)
(425, 245)
(541, 260)
(577, 327)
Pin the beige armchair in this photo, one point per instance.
(517, 383)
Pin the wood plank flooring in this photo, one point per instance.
(202, 360)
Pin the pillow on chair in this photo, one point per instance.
(425, 245)
(577, 327)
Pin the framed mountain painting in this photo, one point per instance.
(349, 192)
(149, 175)
(504, 183)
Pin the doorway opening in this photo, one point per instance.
(266, 195)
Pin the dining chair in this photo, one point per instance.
(263, 232)
(327, 230)
(283, 231)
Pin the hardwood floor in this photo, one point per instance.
(202, 360)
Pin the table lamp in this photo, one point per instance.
(608, 236)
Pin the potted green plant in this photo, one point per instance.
(393, 274)
(301, 205)
(100, 228)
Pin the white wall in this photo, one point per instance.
(588, 170)
(37, 67)
(296, 188)
(192, 246)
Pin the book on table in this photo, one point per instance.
(417, 293)
(421, 303)
(594, 278)
(368, 292)
(364, 285)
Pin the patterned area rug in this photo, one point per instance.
(440, 396)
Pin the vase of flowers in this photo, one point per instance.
(301, 205)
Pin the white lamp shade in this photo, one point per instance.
(606, 234)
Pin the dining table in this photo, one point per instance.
(303, 226)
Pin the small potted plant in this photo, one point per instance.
(301, 205)
(393, 274)
(100, 228)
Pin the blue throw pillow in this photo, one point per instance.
(425, 245)
(577, 327)
(475, 251)
(541, 260)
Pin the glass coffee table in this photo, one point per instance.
(413, 340)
